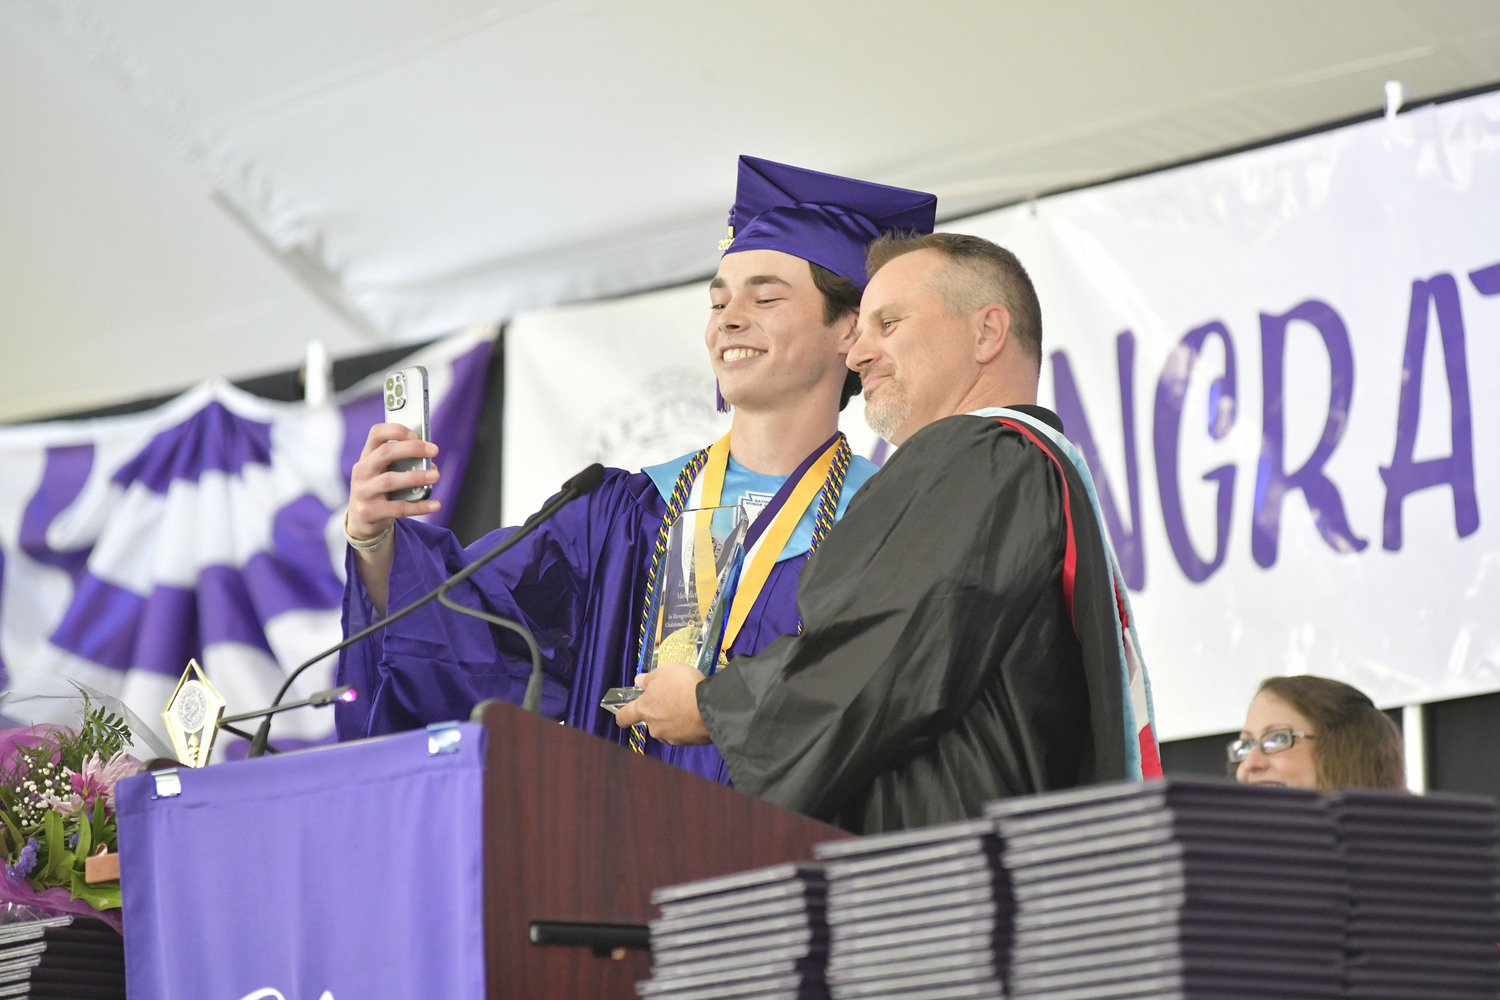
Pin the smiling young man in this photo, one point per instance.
(967, 635)
(783, 308)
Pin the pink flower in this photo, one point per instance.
(95, 778)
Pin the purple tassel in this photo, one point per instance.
(719, 402)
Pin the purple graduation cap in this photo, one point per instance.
(822, 218)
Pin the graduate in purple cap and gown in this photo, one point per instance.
(782, 319)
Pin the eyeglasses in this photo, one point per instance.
(1271, 741)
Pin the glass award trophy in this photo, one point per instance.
(695, 583)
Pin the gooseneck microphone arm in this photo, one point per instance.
(574, 488)
(528, 703)
(344, 692)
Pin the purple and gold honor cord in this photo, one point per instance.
(833, 487)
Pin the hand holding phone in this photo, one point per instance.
(394, 474)
(406, 404)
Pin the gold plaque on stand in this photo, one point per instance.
(192, 716)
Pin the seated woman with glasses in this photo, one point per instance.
(1312, 732)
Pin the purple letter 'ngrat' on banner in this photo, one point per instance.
(1272, 481)
(1404, 475)
(1171, 389)
(1486, 279)
(1129, 544)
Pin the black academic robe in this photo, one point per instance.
(939, 667)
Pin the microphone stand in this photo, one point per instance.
(247, 737)
(532, 701)
(571, 490)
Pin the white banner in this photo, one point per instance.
(1284, 366)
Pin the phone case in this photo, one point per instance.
(406, 404)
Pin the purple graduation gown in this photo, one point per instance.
(578, 583)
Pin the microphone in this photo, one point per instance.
(344, 693)
(574, 488)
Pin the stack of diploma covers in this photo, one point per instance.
(757, 935)
(1175, 889)
(61, 958)
(1422, 882)
(921, 915)
(1180, 889)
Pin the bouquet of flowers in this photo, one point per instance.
(57, 804)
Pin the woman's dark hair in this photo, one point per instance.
(840, 297)
(1357, 744)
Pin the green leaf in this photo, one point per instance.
(14, 840)
(102, 732)
(53, 848)
(85, 843)
(101, 896)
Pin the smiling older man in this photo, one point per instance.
(966, 632)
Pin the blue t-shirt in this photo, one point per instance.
(740, 482)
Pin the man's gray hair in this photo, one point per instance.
(978, 273)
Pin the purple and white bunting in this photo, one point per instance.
(208, 528)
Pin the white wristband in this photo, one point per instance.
(366, 544)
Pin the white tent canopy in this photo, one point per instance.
(196, 189)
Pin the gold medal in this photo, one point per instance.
(680, 646)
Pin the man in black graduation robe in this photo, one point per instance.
(966, 635)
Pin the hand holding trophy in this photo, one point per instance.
(696, 577)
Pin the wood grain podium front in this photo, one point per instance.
(581, 830)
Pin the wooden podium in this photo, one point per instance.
(579, 830)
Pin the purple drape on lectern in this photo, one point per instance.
(354, 869)
(578, 583)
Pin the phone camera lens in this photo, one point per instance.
(399, 392)
(390, 402)
(389, 383)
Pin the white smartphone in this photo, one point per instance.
(406, 404)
